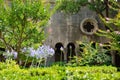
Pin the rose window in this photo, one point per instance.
(89, 26)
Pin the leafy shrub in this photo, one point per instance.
(94, 55)
(30, 56)
(11, 71)
(8, 64)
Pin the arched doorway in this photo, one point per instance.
(70, 51)
(117, 58)
(59, 55)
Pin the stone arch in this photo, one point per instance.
(89, 26)
(70, 51)
(59, 55)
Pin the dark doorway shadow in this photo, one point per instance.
(59, 56)
(70, 51)
(117, 59)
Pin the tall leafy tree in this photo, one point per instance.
(22, 23)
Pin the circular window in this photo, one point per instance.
(89, 26)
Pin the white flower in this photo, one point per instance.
(61, 48)
(70, 47)
(100, 44)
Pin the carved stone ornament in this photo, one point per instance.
(89, 26)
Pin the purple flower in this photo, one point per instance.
(43, 51)
(11, 54)
(15, 54)
(51, 51)
(24, 49)
(32, 52)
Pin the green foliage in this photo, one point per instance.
(8, 64)
(58, 73)
(71, 6)
(98, 59)
(22, 23)
(114, 5)
(94, 55)
(114, 37)
(98, 6)
(114, 33)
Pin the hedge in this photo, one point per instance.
(11, 71)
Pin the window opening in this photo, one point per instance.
(59, 55)
(70, 51)
(88, 26)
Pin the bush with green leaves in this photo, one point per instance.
(11, 71)
(9, 64)
(94, 55)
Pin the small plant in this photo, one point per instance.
(91, 54)
(10, 54)
(38, 55)
(94, 55)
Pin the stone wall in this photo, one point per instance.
(65, 28)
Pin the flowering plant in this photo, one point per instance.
(10, 54)
(43, 51)
(39, 54)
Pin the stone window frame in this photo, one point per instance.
(91, 20)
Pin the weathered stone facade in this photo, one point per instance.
(65, 29)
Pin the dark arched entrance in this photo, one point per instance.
(117, 59)
(70, 51)
(59, 56)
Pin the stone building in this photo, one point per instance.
(66, 29)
